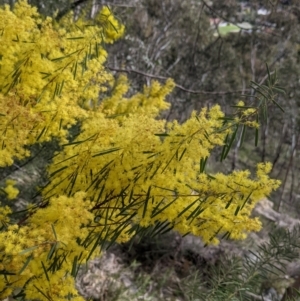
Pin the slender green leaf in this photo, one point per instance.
(96, 244)
(182, 154)
(146, 201)
(156, 212)
(96, 50)
(246, 200)
(237, 210)
(73, 181)
(74, 266)
(78, 142)
(168, 163)
(65, 56)
(51, 252)
(17, 39)
(57, 171)
(41, 133)
(155, 171)
(195, 213)
(45, 74)
(226, 235)
(188, 207)
(64, 161)
(256, 254)
(231, 142)
(119, 230)
(265, 111)
(153, 155)
(160, 229)
(28, 250)
(224, 150)
(75, 70)
(61, 87)
(75, 38)
(84, 63)
(243, 134)
(269, 74)
(229, 203)
(108, 151)
(174, 191)
(62, 258)
(262, 94)
(56, 89)
(216, 233)
(60, 124)
(226, 118)
(53, 230)
(206, 136)
(278, 105)
(211, 177)
(25, 264)
(90, 52)
(59, 58)
(271, 271)
(282, 271)
(203, 164)
(45, 271)
(279, 89)
(100, 193)
(88, 240)
(39, 290)
(254, 83)
(5, 273)
(162, 135)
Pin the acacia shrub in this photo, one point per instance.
(126, 171)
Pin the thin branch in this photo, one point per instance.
(294, 148)
(222, 17)
(122, 5)
(177, 85)
(23, 164)
(197, 35)
(75, 4)
(282, 55)
(72, 6)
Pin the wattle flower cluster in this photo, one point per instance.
(125, 170)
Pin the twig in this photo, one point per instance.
(177, 85)
(72, 6)
(197, 35)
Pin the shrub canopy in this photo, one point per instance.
(126, 170)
